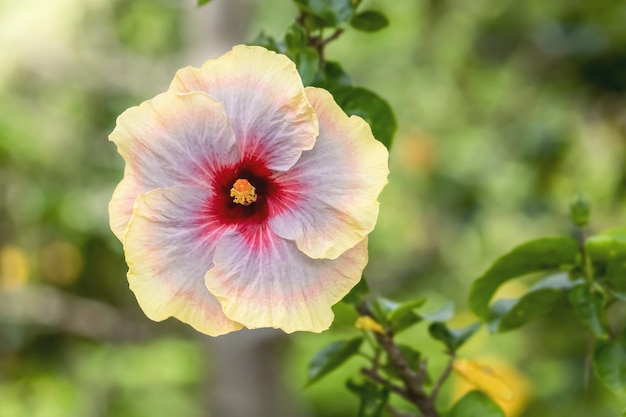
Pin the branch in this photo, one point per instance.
(375, 376)
(442, 378)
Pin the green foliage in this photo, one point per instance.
(541, 298)
(397, 316)
(203, 2)
(332, 12)
(475, 404)
(607, 253)
(356, 294)
(589, 303)
(332, 76)
(331, 357)
(369, 21)
(452, 338)
(373, 398)
(412, 356)
(371, 107)
(609, 363)
(544, 254)
(580, 209)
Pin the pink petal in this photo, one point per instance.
(169, 247)
(262, 280)
(172, 139)
(264, 99)
(332, 191)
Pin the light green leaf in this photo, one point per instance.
(331, 357)
(369, 21)
(509, 314)
(589, 307)
(203, 2)
(375, 110)
(543, 254)
(607, 252)
(609, 363)
(452, 338)
(476, 404)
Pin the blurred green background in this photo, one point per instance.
(506, 110)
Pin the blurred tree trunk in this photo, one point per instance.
(244, 377)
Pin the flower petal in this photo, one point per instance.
(262, 280)
(264, 99)
(172, 139)
(169, 247)
(331, 193)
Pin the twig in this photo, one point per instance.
(442, 378)
(374, 376)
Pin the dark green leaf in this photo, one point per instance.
(307, 62)
(203, 2)
(609, 363)
(476, 404)
(509, 314)
(452, 338)
(332, 12)
(373, 397)
(331, 77)
(589, 306)
(369, 21)
(543, 254)
(376, 111)
(269, 42)
(295, 38)
(397, 316)
(357, 293)
(331, 357)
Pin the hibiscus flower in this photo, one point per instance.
(246, 199)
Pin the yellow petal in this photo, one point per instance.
(484, 378)
(368, 323)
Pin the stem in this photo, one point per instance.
(412, 380)
(442, 378)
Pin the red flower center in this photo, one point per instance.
(247, 176)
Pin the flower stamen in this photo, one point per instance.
(243, 192)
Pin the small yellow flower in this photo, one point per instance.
(368, 323)
(500, 381)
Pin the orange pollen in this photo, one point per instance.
(243, 192)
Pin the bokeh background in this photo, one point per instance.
(506, 110)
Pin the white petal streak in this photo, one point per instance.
(334, 187)
(264, 99)
(169, 247)
(262, 280)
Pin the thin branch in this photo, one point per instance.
(443, 377)
(376, 377)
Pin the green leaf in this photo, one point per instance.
(374, 398)
(307, 62)
(331, 77)
(369, 21)
(445, 313)
(476, 404)
(332, 12)
(589, 307)
(331, 357)
(607, 252)
(609, 363)
(295, 38)
(579, 210)
(203, 2)
(356, 294)
(543, 254)
(452, 338)
(509, 314)
(366, 104)
(268, 42)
